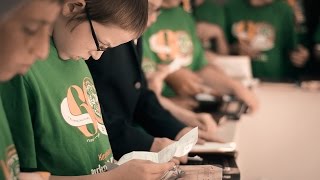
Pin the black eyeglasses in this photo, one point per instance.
(96, 41)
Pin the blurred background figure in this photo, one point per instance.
(269, 39)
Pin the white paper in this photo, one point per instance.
(176, 64)
(186, 143)
(238, 67)
(214, 147)
(176, 149)
(143, 155)
(167, 153)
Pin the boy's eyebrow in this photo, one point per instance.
(39, 21)
(54, 1)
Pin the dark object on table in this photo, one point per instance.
(226, 105)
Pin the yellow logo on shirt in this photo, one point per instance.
(10, 166)
(81, 109)
(104, 156)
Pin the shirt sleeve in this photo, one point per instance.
(154, 118)
(18, 102)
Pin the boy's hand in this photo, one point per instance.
(142, 170)
(299, 56)
(186, 83)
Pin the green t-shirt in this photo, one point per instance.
(171, 37)
(211, 12)
(270, 30)
(9, 162)
(56, 120)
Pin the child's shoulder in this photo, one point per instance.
(282, 6)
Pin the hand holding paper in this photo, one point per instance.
(176, 149)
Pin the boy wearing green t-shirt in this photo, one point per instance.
(58, 103)
(265, 31)
(16, 57)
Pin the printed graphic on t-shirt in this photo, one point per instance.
(10, 165)
(81, 109)
(260, 36)
(171, 45)
(106, 158)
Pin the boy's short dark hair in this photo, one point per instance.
(7, 5)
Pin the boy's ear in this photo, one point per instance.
(73, 7)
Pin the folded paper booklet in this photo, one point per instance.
(214, 147)
(176, 149)
(238, 67)
(200, 172)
